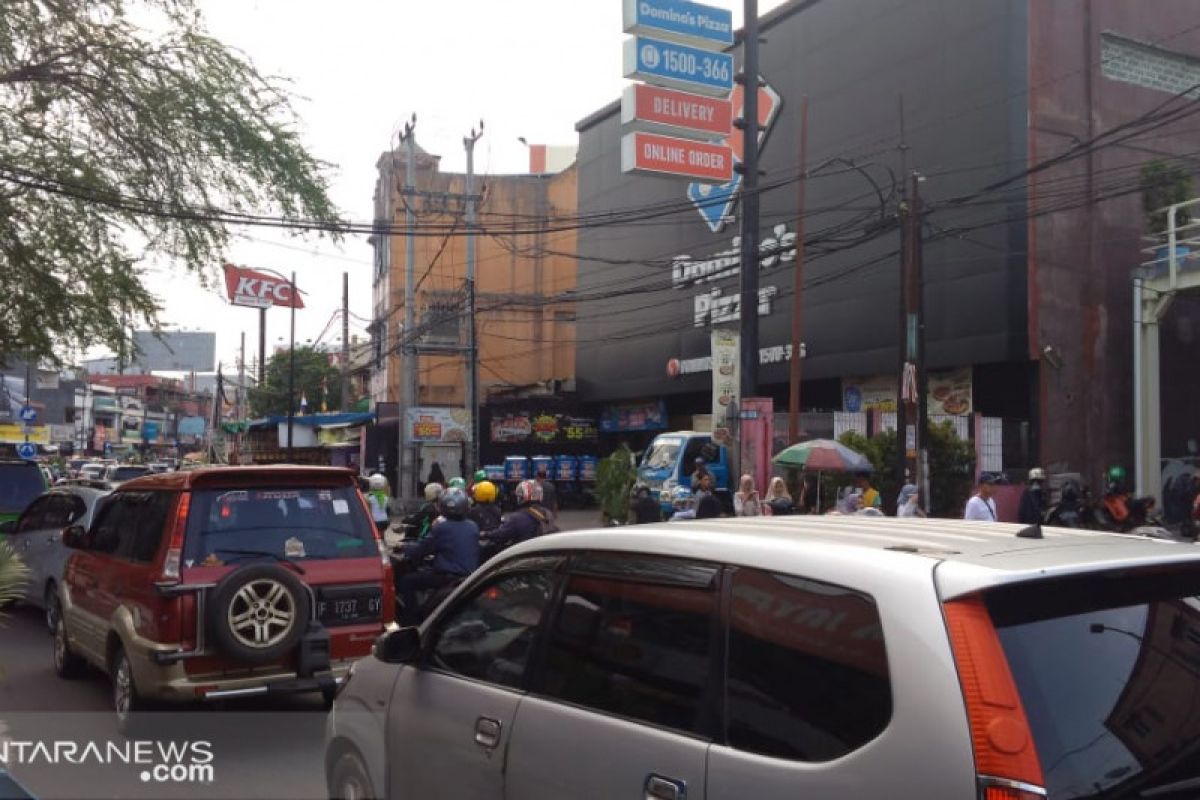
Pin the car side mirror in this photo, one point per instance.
(399, 646)
(8, 526)
(75, 537)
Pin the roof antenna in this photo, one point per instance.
(1032, 532)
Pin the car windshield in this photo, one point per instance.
(223, 525)
(1108, 668)
(19, 485)
(129, 473)
(664, 454)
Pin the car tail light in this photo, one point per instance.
(171, 562)
(1006, 760)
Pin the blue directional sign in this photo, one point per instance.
(678, 66)
(28, 415)
(679, 20)
(27, 450)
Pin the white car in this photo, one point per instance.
(791, 657)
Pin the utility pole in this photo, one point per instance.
(917, 238)
(262, 348)
(345, 341)
(472, 454)
(241, 402)
(902, 342)
(407, 391)
(749, 167)
(798, 285)
(291, 369)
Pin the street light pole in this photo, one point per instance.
(291, 367)
(472, 340)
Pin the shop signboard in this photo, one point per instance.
(679, 20)
(659, 110)
(633, 417)
(15, 434)
(654, 154)
(726, 380)
(949, 393)
(62, 434)
(678, 66)
(511, 428)
(248, 287)
(431, 424)
(150, 430)
(543, 427)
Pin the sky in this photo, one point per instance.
(359, 69)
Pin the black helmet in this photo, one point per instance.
(453, 503)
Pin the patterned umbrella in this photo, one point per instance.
(823, 455)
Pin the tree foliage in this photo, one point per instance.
(122, 140)
(951, 467)
(316, 380)
(615, 477)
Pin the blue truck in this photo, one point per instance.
(670, 460)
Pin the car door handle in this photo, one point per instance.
(660, 788)
(487, 732)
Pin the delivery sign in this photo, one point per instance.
(249, 287)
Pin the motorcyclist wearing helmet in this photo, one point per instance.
(1032, 510)
(419, 522)
(644, 508)
(454, 545)
(479, 477)
(681, 501)
(377, 499)
(457, 483)
(486, 511)
(529, 519)
(1116, 499)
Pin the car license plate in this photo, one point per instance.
(349, 605)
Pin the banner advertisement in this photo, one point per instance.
(432, 424)
(949, 393)
(543, 427)
(758, 434)
(62, 434)
(15, 434)
(726, 378)
(630, 417)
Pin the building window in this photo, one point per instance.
(69, 414)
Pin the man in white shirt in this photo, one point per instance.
(981, 507)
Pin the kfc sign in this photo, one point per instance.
(248, 287)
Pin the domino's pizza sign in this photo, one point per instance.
(716, 203)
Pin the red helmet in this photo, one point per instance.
(529, 491)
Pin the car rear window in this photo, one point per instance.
(1108, 667)
(20, 485)
(129, 473)
(309, 523)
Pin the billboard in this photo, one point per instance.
(248, 287)
(437, 424)
(175, 351)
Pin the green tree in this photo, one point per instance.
(951, 467)
(615, 477)
(315, 378)
(121, 141)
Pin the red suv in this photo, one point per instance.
(224, 582)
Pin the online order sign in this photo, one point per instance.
(678, 66)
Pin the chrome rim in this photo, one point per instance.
(122, 688)
(262, 613)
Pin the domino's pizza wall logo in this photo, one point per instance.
(716, 203)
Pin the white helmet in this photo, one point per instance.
(377, 482)
(1037, 474)
(528, 491)
(433, 491)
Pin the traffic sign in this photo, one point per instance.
(679, 20)
(28, 415)
(678, 66)
(27, 450)
(666, 155)
(645, 107)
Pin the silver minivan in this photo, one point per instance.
(36, 536)
(791, 657)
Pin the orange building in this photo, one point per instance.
(525, 271)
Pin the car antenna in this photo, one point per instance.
(1032, 532)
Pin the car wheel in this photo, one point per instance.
(259, 613)
(53, 610)
(66, 663)
(349, 779)
(126, 702)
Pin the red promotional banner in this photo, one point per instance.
(248, 287)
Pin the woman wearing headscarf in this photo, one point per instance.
(908, 503)
(778, 499)
(746, 502)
